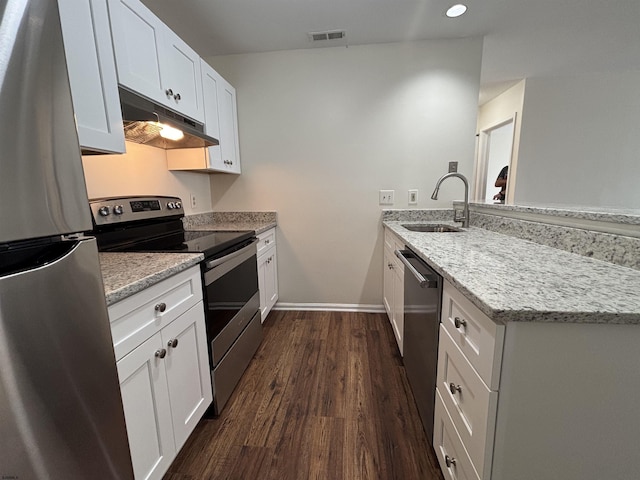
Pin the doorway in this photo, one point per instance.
(495, 150)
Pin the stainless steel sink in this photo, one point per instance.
(430, 227)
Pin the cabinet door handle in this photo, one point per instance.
(455, 388)
(390, 266)
(173, 343)
(177, 96)
(161, 353)
(449, 461)
(161, 307)
(459, 322)
(169, 92)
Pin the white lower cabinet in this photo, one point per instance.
(469, 355)
(145, 397)
(393, 286)
(453, 457)
(267, 271)
(165, 380)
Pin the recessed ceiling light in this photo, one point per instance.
(456, 10)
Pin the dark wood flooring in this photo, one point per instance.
(326, 397)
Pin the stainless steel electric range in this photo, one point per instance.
(229, 275)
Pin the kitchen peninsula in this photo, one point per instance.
(562, 381)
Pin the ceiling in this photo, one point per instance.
(523, 38)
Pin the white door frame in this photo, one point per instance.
(482, 155)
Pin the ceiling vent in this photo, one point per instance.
(329, 35)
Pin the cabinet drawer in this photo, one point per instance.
(471, 405)
(266, 239)
(448, 446)
(476, 335)
(143, 314)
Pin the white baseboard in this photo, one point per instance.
(330, 307)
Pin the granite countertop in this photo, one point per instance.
(511, 279)
(124, 274)
(232, 221)
(256, 225)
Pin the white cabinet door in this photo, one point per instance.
(153, 61)
(210, 85)
(267, 271)
(181, 75)
(398, 307)
(268, 281)
(147, 412)
(138, 45)
(387, 285)
(92, 75)
(228, 116)
(188, 374)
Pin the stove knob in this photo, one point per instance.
(178, 205)
(171, 205)
(118, 209)
(104, 211)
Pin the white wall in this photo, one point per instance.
(143, 171)
(322, 130)
(580, 140)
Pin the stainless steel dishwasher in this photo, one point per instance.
(422, 300)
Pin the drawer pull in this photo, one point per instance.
(390, 266)
(173, 343)
(454, 388)
(449, 461)
(161, 353)
(459, 322)
(161, 307)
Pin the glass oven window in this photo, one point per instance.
(228, 294)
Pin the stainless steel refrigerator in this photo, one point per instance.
(61, 413)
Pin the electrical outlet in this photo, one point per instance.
(413, 197)
(453, 167)
(386, 197)
(194, 202)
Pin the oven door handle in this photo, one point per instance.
(219, 261)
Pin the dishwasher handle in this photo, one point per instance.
(424, 282)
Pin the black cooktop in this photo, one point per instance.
(154, 224)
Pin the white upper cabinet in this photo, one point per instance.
(92, 75)
(221, 122)
(153, 61)
(228, 116)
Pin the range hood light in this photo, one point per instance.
(168, 132)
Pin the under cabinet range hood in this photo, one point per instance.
(151, 124)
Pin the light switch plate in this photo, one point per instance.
(386, 197)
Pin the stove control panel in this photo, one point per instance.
(106, 211)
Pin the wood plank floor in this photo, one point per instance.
(326, 397)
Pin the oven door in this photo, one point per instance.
(231, 296)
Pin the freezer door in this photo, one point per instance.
(42, 189)
(61, 412)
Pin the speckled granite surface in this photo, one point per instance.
(619, 249)
(511, 279)
(614, 215)
(231, 221)
(124, 274)
(430, 215)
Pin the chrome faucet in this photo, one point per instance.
(465, 213)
